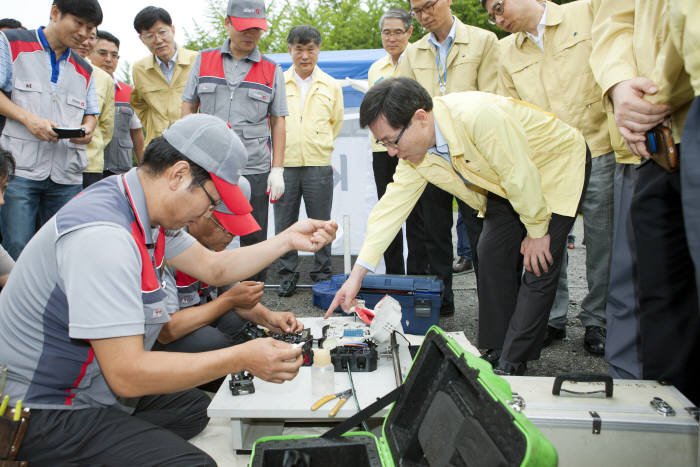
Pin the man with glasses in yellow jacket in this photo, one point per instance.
(524, 169)
(315, 103)
(160, 78)
(630, 39)
(452, 57)
(396, 29)
(545, 62)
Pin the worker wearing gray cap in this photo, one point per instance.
(85, 303)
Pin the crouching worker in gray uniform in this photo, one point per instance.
(85, 303)
(207, 317)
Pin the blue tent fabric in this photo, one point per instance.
(341, 64)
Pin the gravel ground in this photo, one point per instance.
(562, 357)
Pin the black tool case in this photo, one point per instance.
(450, 410)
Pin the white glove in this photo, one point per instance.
(358, 84)
(275, 183)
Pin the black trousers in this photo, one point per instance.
(259, 200)
(429, 237)
(474, 226)
(384, 167)
(669, 319)
(155, 434)
(514, 306)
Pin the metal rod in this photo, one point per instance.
(395, 359)
(354, 396)
(298, 286)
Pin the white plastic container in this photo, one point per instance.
(322, 374)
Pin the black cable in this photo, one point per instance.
(354, 396)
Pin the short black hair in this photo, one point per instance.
(146, 18)
(7, 165)
(10, 23)
(303, 35)
(395, 98)
(101, 34)
(88, 10)
(160, 155)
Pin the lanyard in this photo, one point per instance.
(149, 276)
(442, 76)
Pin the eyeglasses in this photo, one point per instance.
(161, 34)
(394, 33)
(393, 144)
(497, 10)
(105, 53)
(213, 202)
(427, 8)
(218, 225)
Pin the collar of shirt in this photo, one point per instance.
(442, 47)
(171, 62)
(441, 148)
(135, 189)
(540, 29)
(55, 62)
(304, 85)
(254, 56)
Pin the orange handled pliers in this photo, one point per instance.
(342, 396)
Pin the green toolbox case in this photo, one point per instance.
(451, 410)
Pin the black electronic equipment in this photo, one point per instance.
(251, 331)
(241, 383)
(69, 132)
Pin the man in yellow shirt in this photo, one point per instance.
(396, 29)
(545, 62)
(453, 57)
(520, 166)
(105, 122)
(630, 37)
(160, 78)
(315, 103)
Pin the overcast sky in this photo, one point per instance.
(118, 19)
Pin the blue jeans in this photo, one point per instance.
(24, 200)
(464, 249)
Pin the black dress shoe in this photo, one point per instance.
(462, 265)
(288, 286)
(594, 340)
(447, 309)
(492, 356)
(510, 369)
(552, 335)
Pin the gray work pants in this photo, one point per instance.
(315, 185)
(622, 308)
(597, 211)
(155, 434)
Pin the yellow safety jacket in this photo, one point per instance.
(311, 133)
(500, 145)
(156, 102)
(558, 79)
(104, 85)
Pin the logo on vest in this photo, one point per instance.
(157, 313)
(28, 85)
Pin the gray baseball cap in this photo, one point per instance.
(247, 14)
(210, 143)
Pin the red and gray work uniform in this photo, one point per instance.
(242, 92)
(94, 271)
(118, 157)
(64, 102)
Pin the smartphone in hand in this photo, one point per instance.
(64, 133)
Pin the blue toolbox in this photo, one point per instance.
(420, 297)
